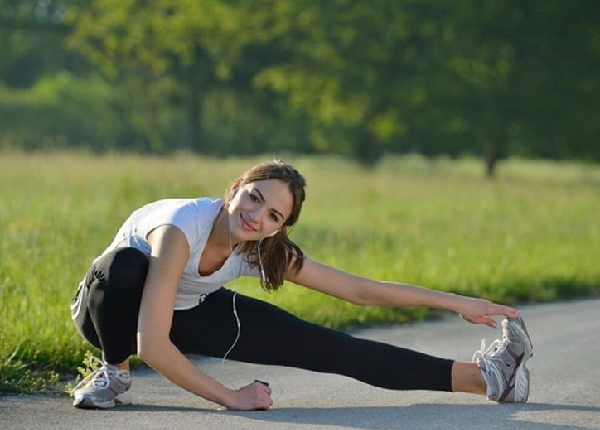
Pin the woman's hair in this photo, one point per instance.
(277, 253)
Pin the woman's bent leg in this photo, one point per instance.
(109, 303)
(270, 335)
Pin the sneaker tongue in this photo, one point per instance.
(100, 379)
(500, 348)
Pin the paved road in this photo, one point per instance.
(565, 390)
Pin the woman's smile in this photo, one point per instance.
(246, 225)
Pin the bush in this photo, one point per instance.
(58, 111)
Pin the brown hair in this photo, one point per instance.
(278, 252)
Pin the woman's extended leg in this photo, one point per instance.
(467, 378)
(270, 335)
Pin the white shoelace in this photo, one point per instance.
(99, 374)
(491, 374)
(483, 352)
(94, 365)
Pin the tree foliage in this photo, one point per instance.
(438, 77)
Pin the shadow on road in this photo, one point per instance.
(537, 416)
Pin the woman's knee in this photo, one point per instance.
(124, 267)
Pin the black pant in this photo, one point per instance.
(110, 300)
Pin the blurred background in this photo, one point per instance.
(394, 109)
(453, 78)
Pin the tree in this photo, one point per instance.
(32, 36)
(199, 45)
(493, 79)
(526, 70)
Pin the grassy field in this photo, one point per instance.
(531, 234)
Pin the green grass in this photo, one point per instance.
(531, 234)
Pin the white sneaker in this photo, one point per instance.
(105, 388)
(503, 363)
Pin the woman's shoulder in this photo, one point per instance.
(200, 205)
(201, 208)
(207, 203)
(200, 212)
(178, 211)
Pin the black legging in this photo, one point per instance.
(110, 300)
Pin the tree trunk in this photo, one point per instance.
(367, 151)
(492, 156)
(191, 124)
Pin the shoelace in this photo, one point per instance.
(489, 352)
(99, 375)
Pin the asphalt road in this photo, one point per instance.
(565, 390)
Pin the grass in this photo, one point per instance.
(531, 234)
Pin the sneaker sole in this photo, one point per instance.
(522, 385)
(517, 330)
(518, 391)
(521, 324)
(88, 403)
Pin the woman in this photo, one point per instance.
(157, 291)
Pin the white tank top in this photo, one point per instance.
(195, 218)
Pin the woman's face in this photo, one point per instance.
(259, 209)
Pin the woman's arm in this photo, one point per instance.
(369, 292)
(170, 252)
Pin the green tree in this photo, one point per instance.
(528, 77)
(32, 36)
(202, 47)
(439, 77)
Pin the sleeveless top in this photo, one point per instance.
(195, 219)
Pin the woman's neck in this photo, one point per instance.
(220, 237)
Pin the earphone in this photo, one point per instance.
(260, 265)
(237, 338)
(239, 323)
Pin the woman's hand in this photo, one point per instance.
(479, 311)
(253, 397)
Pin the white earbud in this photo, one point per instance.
(260, 265)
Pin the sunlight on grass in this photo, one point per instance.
(531, 234)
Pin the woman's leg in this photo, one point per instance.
(105, 311)
(467, 378)
(270, 335)
(108, 303)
